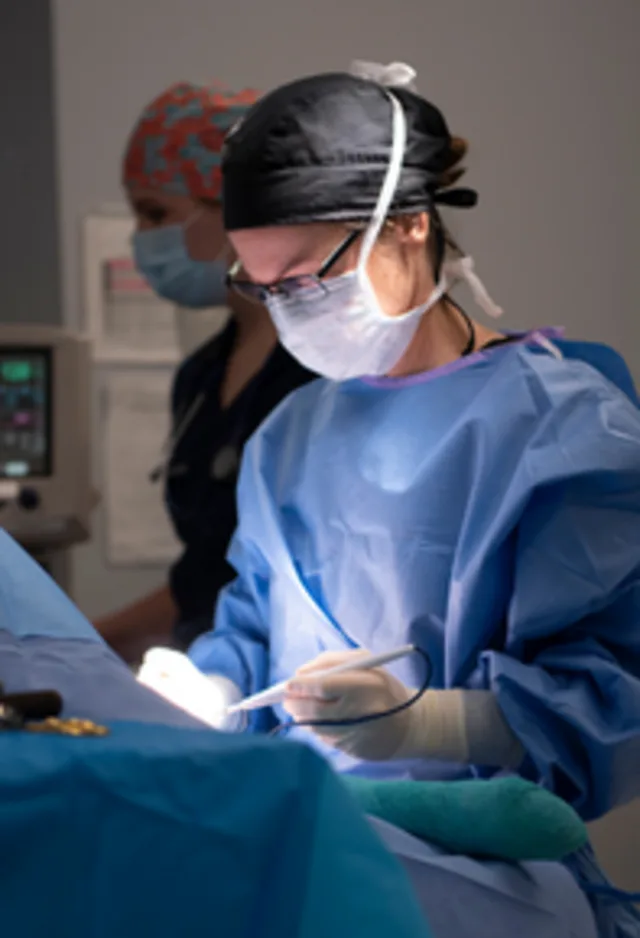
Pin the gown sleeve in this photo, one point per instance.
(568, 676)
(238, 646)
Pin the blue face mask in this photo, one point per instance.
(162, 258)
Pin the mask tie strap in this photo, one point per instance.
(193, 217)
(462, 268)
(394, 75)
(222, 253)
(385, 198)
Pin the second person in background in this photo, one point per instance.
(225, 389)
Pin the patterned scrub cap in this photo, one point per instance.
(177, 143)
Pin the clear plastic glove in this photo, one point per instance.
(348, 696)
(206, 697)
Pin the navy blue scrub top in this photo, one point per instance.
(202, 470)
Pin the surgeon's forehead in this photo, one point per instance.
(270, 254)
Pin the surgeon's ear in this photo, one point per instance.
(411, 229)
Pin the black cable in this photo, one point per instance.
(466, 319)
(471, 341)
(471, 329)
(370, 717)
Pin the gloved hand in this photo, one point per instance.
(350, 695)
(465, 726)
(206, 697)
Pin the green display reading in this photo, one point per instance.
(16, 371)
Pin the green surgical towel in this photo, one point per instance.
(505, 818)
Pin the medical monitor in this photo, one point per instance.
(46, 492)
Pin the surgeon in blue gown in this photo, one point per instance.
(472, 492)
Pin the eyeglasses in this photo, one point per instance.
(260, 292)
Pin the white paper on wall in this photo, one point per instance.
(136, 426)
(125, 319)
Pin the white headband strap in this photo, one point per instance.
(394, 75)
(390, 184)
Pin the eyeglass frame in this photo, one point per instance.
(260, 292)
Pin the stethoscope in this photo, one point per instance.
(226, 461)
(168, 448)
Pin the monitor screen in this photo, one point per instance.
(25, 412)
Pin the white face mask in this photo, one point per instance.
(338, 329)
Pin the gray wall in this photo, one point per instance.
(29, 261)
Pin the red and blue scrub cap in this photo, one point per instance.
(176, 145)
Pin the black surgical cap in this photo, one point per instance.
(318, 150)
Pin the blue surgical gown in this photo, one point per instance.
(489, 512)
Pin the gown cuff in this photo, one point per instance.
(465, 726)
